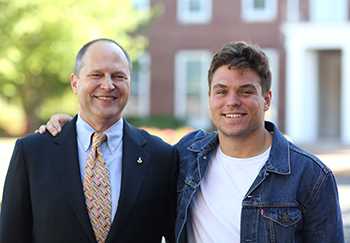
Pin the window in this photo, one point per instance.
(328, 10)
(191, 87)
(139, 102)
(194, 11)
(259, 10)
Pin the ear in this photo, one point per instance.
(267, 100)
(209, 99)
(74, 82)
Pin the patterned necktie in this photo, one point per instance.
(97, 190)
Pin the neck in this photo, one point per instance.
(101, 125)
(251, 146)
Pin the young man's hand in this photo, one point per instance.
(54, 126)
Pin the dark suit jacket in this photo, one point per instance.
(43, 198)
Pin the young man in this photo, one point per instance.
(247, 182)
(100, 179)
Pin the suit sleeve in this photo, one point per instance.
(16, 213)
(170, 229)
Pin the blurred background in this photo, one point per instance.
(171, 43)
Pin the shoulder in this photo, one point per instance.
(144, 138)
(291, 156)
(196, 139)
(152, 138)
(305, 159)
(35, 140)
(43, 142)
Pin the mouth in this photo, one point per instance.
(235, 115)
(105, 97)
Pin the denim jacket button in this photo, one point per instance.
(181, 216)
(285, 217)
(204, 157)
(198, 179)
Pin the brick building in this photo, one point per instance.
(307, 41)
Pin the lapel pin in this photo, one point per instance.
(139, 160)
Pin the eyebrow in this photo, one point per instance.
(245, 86)
(101, 70)
(219, 86)
(248, 86)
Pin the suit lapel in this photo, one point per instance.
(66, 162)
(133, 174)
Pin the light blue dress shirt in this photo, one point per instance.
(112, 151)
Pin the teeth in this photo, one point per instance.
(233, 115)
(106, 98)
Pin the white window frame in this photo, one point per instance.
(144, 87)
(181, 58)
(273, 55)
(185, 16)
(250, 14)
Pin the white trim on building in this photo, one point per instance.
(327, 11)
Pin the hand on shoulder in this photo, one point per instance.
(55, 124)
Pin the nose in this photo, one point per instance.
(107, 84)
(233, 100)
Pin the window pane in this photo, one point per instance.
(193, 106)
(138, 105)
(259, 4)
(194, 11)
(193, 81)
(193, 88)
(136, 72)
(195, 6)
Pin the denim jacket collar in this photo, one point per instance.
(278, 161)
(279, 158)
(206, 144)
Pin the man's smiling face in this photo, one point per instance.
(103, 85)
(236, 102)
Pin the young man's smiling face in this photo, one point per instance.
(236, 102)
(103, 85)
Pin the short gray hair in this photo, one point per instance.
(79, 63)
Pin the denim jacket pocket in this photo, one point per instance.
(282, 223)
(283, 216)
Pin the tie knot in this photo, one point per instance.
(98, 138)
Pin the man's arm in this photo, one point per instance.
(323, 218)
(54, 126)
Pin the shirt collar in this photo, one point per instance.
(114, 134)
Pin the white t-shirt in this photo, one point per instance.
(215, 210)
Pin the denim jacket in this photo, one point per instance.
(294, 198)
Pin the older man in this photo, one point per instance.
(100, 179)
